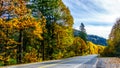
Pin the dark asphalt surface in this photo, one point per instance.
(74, 62)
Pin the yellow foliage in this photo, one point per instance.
(19, 7)
(28, 25)
(1, 57)
(63, 35)
(31, 56)
(95, 49)
(80, 42)
(79, 46)
(59, 55)
(10, 29)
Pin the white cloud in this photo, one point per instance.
(107, 20)
(94, 13)
(112, 6)
(102, 31)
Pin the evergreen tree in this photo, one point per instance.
(83, 33)
(47, 9)
(82, 28)
(56, 14)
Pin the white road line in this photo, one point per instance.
(81, 63)
(94, 66)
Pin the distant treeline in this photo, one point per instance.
(93, 38)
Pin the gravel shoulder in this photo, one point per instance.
(108, 62)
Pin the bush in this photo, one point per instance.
(31, 56)
(12, 61)
(1, 63)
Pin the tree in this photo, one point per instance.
(82, 28)
(16, 25)
(47, 9)
(83, 33)
(113, 48)
(63, 31)
(114, 39)
(79, 46)
(10, 9)
(57, 17)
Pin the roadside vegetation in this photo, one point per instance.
(113, 48)
(110, 57)
(40, 30)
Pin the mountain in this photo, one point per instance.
(93, 38)
(97, 40)
(76, 32)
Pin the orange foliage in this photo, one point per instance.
(31, 56)
(15, 8)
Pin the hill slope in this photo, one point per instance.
(97, 40)
(93, 38)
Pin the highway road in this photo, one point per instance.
(88, 61)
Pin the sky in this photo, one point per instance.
(98, 16)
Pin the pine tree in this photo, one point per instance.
(47, 9)
(83, 33)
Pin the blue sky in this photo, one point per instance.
(97, 15)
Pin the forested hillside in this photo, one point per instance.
(41, 30)
(93, 38)
(97, 40)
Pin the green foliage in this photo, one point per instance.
(83, 36)
(59, 34)
(83, 33)
(1, 63)
(108, 51)
(58, 55)
(12, 61)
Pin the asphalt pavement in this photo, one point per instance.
(88, 61)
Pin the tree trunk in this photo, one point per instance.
(43, 49)
(20, 48)
(5, 62)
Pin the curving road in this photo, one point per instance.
(74, 62)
